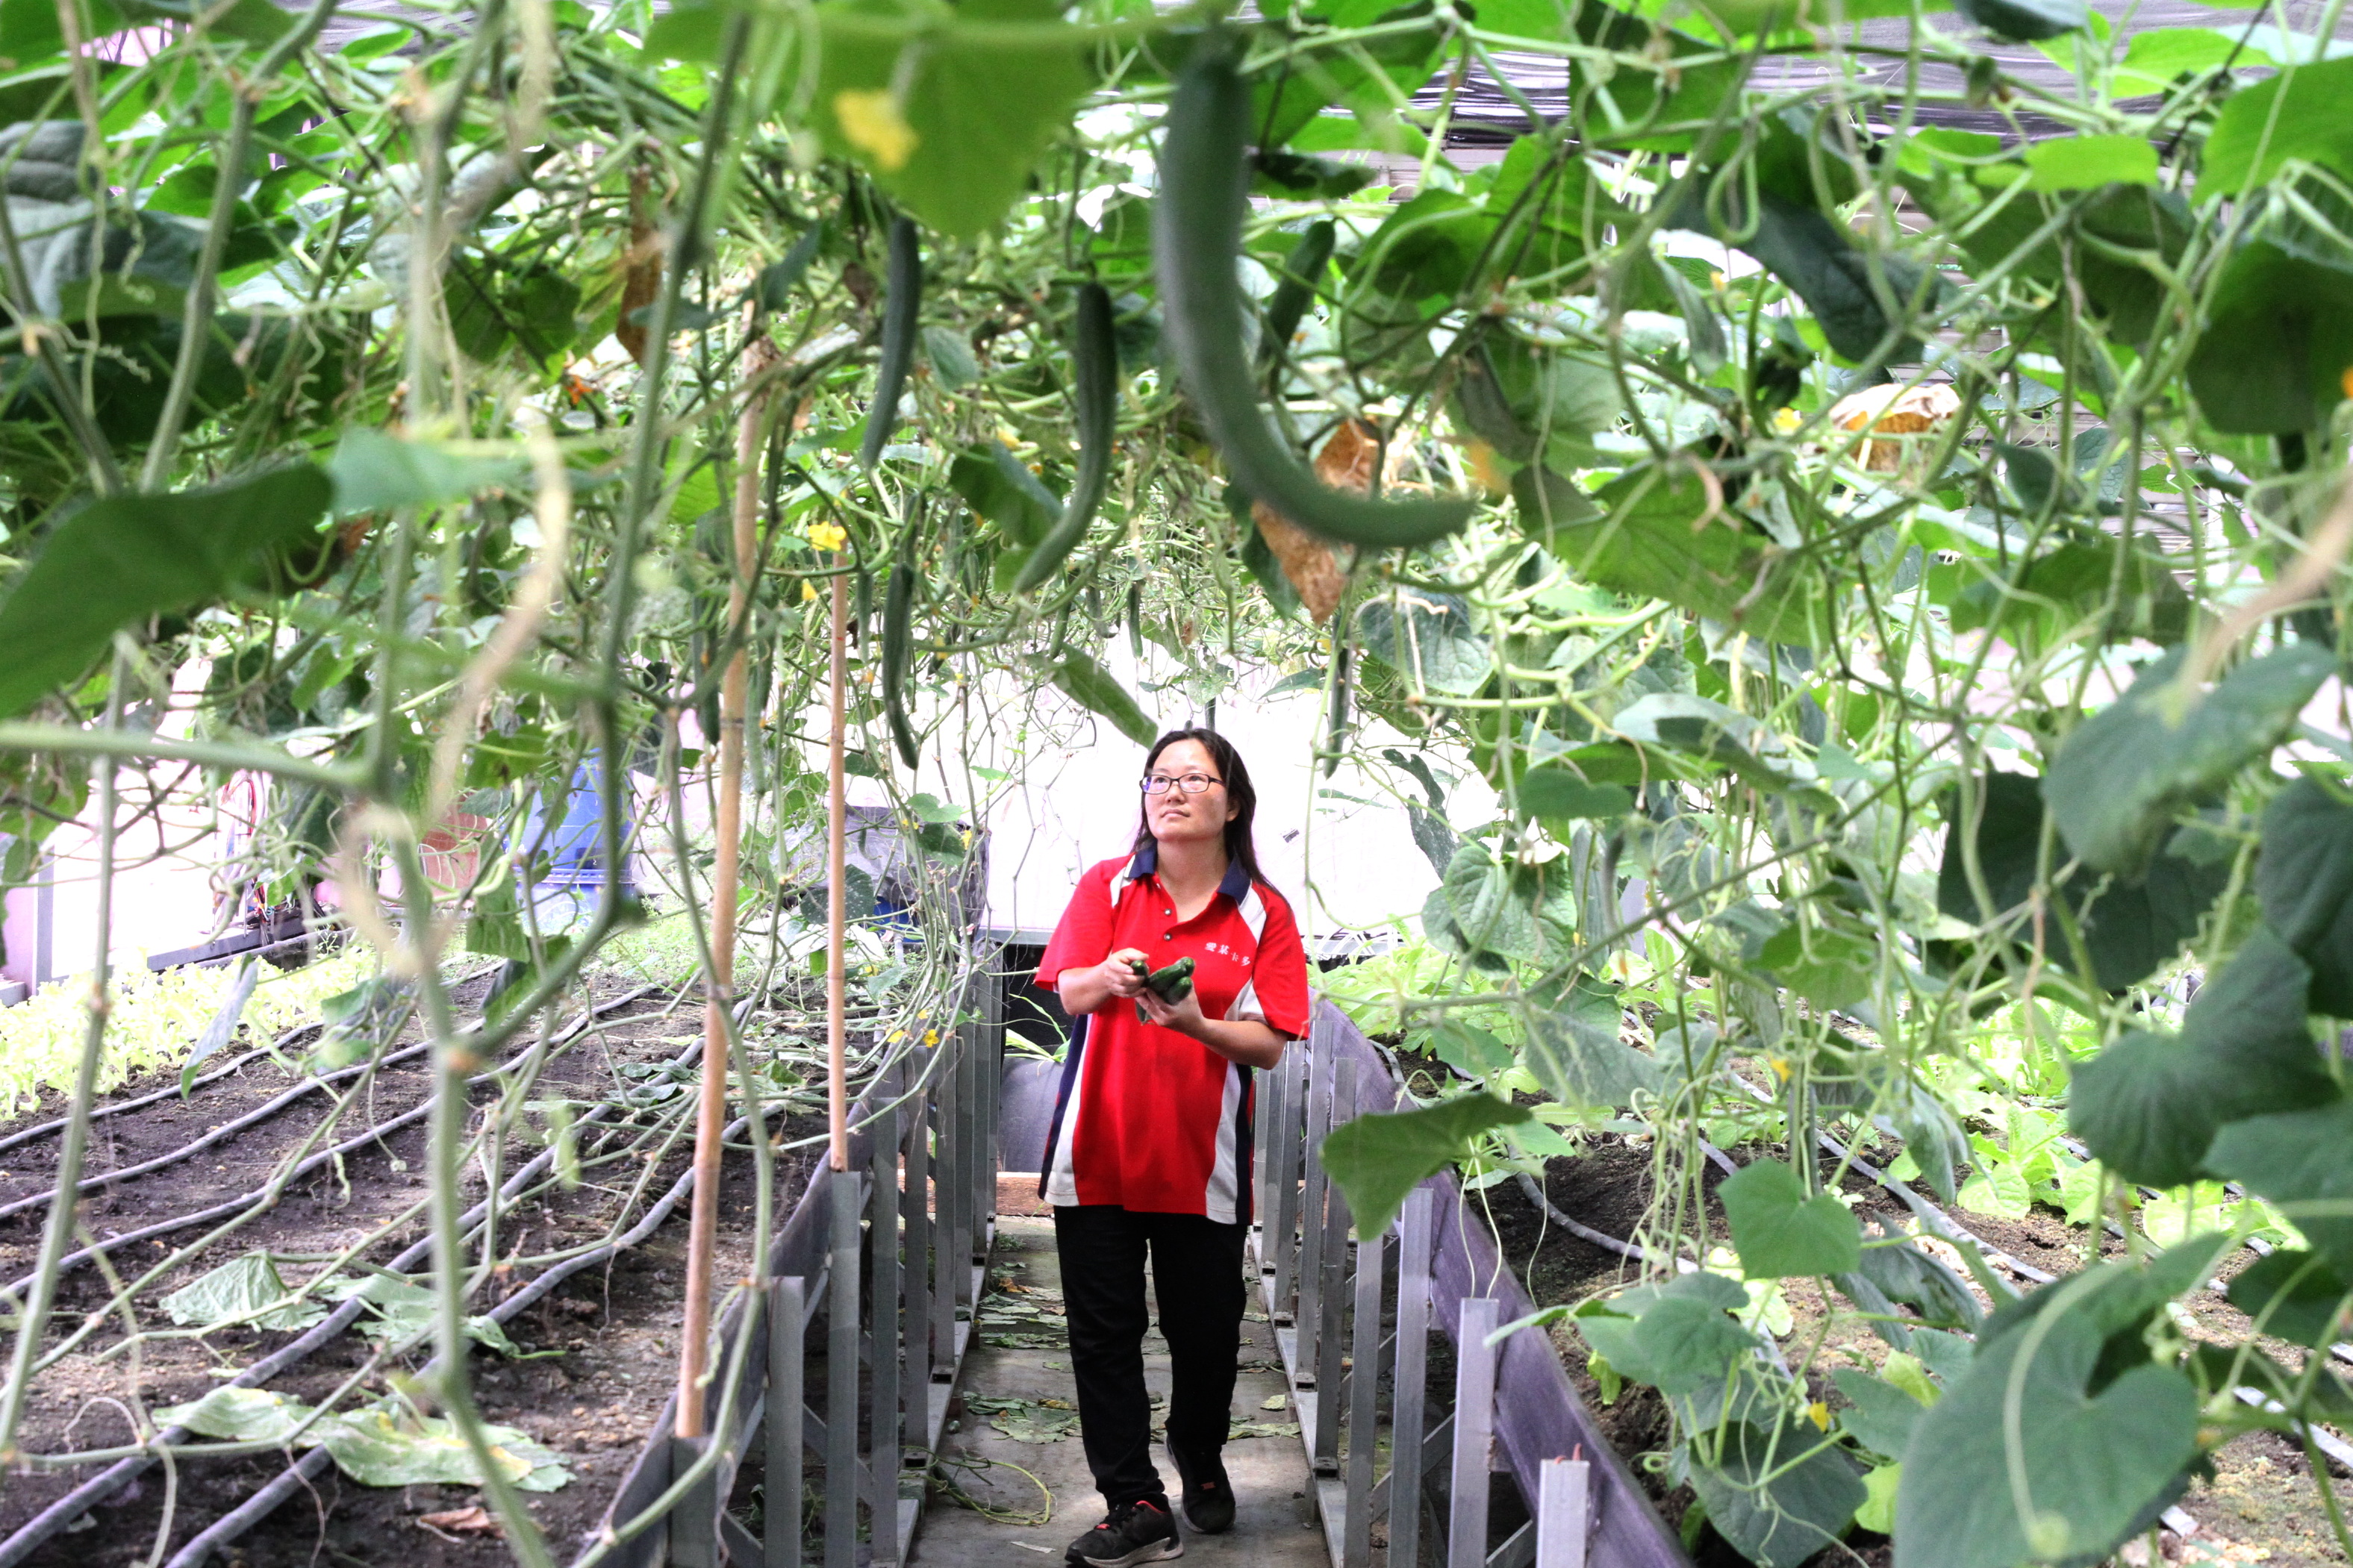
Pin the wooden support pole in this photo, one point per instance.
(711, 1109)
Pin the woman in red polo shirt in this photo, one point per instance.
(1150, 1150)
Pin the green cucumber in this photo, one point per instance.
(1300, 272)
(898, 608)
(1195, 235)
(1096, 355)
(1171, 984)
(900, 308)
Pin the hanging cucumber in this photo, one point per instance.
(898, 606)
(1301, 273)
(901, 306)
(1135, 622)
(1195, 235)
(1096, 355)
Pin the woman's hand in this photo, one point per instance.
(1119, 973)
(1184, 1014)
(1095, 987)
(1246, 1041)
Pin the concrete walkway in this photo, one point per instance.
(1014, 1408)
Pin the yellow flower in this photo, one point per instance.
(808, 590)
(1780, 1065)
(1820, 1415)
(871, 123)
(827, 535)
(1786, 420)
(931, 1037)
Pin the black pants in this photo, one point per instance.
(1196, 1273)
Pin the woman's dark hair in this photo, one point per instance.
(1240, 847)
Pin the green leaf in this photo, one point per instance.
(1557, 795)
(2272, 356)
(2130, 926)
(2024, 21)
(2292, 1295)
(1780, 1231)
(1369, 78)
(374, 471)
(1484, 908)
(2298, 114)
(239, 1416)
(2149, 1105)
(1581, 1061)
(1643, 541)
(2084, 1468)
(995, 484)
(1092, 687)
(378, 1448)
(1778, 1495)
(1882, 1415)
(239, 1291)
(1468, 1049)
(1679, 1337)
(2302, 1162)
(2118, 780)
(2304, 876)
(950, 358)
(1378, 1158)
(1700, 727)
(1846, 290)
(1878, 1510)
(945, 76)
(1425, 638)
(2158, 55)
(119, 559)
(2087, 163)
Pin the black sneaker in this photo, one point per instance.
(1136, 1533)
(1208, 1496)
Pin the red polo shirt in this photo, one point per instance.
(1148, 1119)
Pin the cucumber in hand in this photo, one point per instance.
(1173, 984)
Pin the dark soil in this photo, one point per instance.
(603, 1345)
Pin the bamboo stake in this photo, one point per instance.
(837, 817)
(710, 1111)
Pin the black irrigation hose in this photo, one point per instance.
(95, 1492)
(51, 1128)
(298, 1475)
(226, 1069)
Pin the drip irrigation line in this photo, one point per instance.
(298, 1475)
(2322, 1438)
(229, 1068)
(226, 1069)
(95, 1492)
(1603, 1240)
(262, 1193)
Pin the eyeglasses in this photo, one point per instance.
(1191, 784)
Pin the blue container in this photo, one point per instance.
(572, 845)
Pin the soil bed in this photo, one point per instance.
(600, 1350)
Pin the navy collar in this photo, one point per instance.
(1146, 863)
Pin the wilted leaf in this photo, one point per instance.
(239, 1291)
